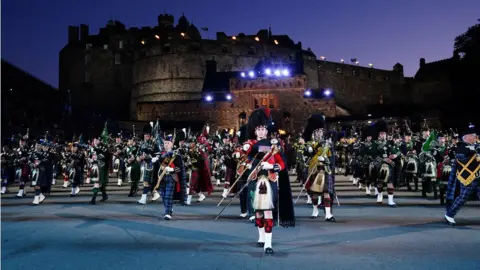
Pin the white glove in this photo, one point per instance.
(170, 169)
(310, 149)
(321, 159)
(154, 159)
(246, 147)
(236, 155)
(267, 166)
(249, 166)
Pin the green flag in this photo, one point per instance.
(105, 134)
(426, 145)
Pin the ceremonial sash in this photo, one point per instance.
(466, 173)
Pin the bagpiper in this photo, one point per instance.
(272, 191)
(170, 175)
(319, 183)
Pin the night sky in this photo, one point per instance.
(381, 32)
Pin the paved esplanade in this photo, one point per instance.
(126, 236)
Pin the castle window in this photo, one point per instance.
(105, 46)
(224, 49)
(120, 44)
(88, 76)
(118, 59)
(88, 59)
(354, 73)
(369, 74)
(264, 102)
(166, 48)
(339, 70)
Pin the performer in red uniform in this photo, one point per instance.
(272, 199)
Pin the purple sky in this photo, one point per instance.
(373, 31)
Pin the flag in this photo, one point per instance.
(204, 29)
(427, 144)
(105, 134)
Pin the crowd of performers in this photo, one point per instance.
(253, 164)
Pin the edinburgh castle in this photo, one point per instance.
(170, 72)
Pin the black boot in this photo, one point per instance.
(133, 191)
(104, 197)
(93, 200)
(435, 191)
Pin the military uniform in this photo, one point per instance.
(465, 170)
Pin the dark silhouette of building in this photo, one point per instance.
(144, 73)
(28, 102)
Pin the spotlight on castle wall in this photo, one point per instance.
(234, 38)
(370, 65)
(157, 36)
(242, 74)
(308, 93)
(357, 63)
(257, 39)
(286, 72)
(268, 72)
(208, 98)
(143, 42)
(182, 34)
(327, 92)
(342, 61)
(277, 73)
(228, 97)
(322, 58)
(251, 74)
(276, 42)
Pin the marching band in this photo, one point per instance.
(253, 164)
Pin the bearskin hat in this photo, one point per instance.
(381, 126)
(315, 122)
(469, 129)
(259, 117)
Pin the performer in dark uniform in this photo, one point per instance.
(100, 181)
(466, 170)
(272, 191)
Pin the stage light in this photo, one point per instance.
(182, 34)
(234, 38)
(285, 72)
(251, 74)
(276, 42)
(143, 42)
(277, 73)
(229, 97)
(268, 71)
(369, 115)
(157, 36)
(242, 74)
(369, 121)
(308, 93)
(257, 39)
(327, 92)
(208, 98)
(322, 57)
(343, 61)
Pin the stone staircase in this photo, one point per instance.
(347, 195)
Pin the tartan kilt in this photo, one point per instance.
(199, 184)
(328, 186)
